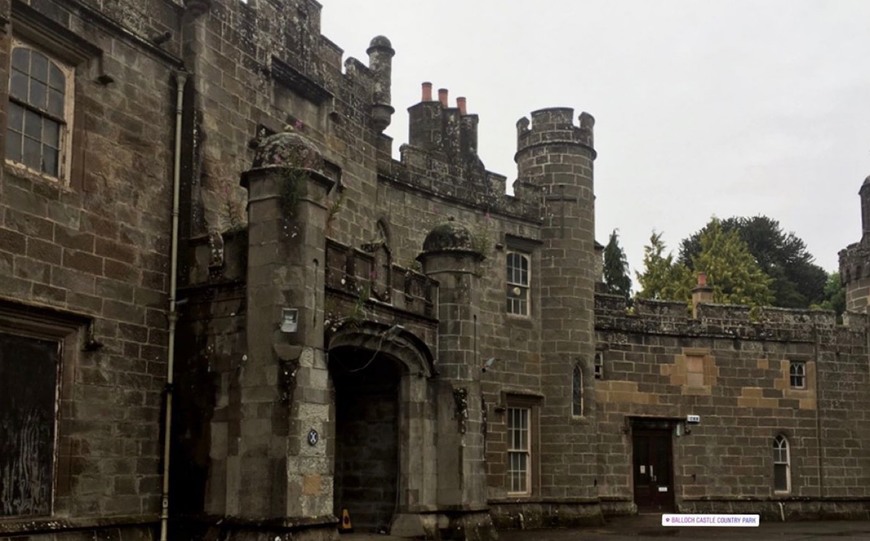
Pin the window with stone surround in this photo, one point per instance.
(577, 391)
(40, 111)
(518, 280)
(781, 465)
(519, 450)
(797, 374)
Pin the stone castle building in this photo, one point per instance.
(227, 312)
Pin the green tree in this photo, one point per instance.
(616, 276)
(796, 281)
(835, 295)
(731, 269)
(662, 277)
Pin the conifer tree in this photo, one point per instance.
(616, 276)
(662, 277)
(732, 271)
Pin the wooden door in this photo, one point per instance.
(653, 470)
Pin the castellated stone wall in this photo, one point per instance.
(328, 290)
(733, 371)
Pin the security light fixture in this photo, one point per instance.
(487, 364)
(289, 320)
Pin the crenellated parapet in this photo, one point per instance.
(722, 321)
(555, 126)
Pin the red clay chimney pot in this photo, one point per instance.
(427, 91)
(442, 96)
(460, 102)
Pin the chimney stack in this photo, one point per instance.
(460, 102)
(701, 294)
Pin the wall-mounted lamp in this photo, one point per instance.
(289, 320)
(488, 364)
(393, 331)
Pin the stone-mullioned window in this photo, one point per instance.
(40, 111)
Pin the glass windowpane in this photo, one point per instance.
(50, 133)
(16, 117)
(13, 146)
(38, 66)
(780, 477)
(21, 59)
(38, 94)
(32, 153)
(18, 85)
(55, 103)
(49, 161)
(577, 394)
(56, 79)
(32, 125)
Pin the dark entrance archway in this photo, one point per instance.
(367, 407)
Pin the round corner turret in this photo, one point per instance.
(551, 127)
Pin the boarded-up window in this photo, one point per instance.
(695, 371)
(28, 398)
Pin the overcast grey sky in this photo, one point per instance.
(725, 107)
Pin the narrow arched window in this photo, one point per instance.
(781, 465)
(577, 391)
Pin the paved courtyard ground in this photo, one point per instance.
(649, 527)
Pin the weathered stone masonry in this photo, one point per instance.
(399, 339)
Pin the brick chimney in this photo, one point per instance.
(701, 293)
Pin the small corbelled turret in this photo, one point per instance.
(381, 54)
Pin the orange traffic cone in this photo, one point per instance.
(345, 525)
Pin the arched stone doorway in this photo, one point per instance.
(366, 387)
(380, 380)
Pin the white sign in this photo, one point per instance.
(693, 419)
(732, 521)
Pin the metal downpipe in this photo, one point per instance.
(180, 79)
